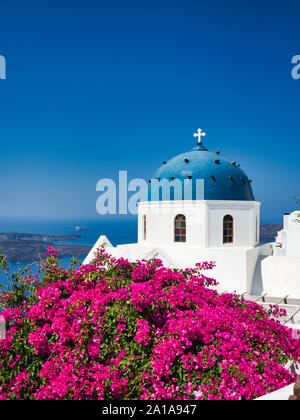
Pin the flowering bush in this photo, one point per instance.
(119, 330)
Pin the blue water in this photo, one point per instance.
(119, 230)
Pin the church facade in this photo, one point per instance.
(183, 227)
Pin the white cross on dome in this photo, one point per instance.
(199, 134)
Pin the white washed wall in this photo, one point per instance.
(204, 222)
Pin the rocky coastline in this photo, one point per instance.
(27, 247)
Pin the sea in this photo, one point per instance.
(119, 230)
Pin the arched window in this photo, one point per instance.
(180, 228)
(228, 233)
(145, 227)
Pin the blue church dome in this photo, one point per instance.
(223, 179)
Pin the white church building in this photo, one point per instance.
(281, 271)
(221, 225)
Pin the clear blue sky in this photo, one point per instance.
(94, 87)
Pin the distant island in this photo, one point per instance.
(29, 247)
(39, 237)
(268, 231)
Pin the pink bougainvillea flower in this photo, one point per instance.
(114, 329)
